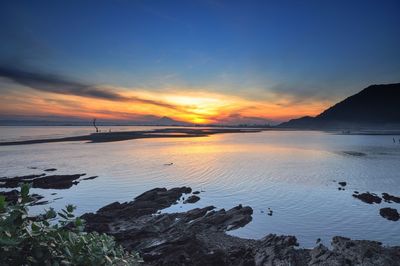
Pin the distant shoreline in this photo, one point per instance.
(128, 135)
(186, 132)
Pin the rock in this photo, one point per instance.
(13, 195)
(192, 199)
(10, 196)
(354, 153)
(343, 184)
(148, 203)
(43, 202)
(368, 198)
(172, 238)
(50, 170)
(390, 214)
(354, 252)
(390, 198)
(42, 181)
(13, 182)
(278, 250)
(56, 181)
(198, 237)
(196, 192)
(90, 177)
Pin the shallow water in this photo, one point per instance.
(291, 172)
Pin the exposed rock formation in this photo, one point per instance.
(368, 197)
(192, 199)
(13, 195)
(390, 214)
(197, 237)
(41, 181)
(390, 198)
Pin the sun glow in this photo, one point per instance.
(141, 105)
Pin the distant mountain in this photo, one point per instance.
(166, 121)
(69, 121)
(377, 106)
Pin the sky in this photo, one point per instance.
(203, 62)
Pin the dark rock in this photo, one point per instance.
(343, 184)
(172, 238)
(390, 198)
(356, 192)
(10, 196)
(13, 182)
(278, 250)
(354, 252)
(42, 181)
(56, 181)
(50, 170)
(192, 199)
(368, 198)
(354, 153)
(13, 195)
(197, 237)
(90, 177)
(43, 202)
(196, 192)
(390, 214)
(148, 203)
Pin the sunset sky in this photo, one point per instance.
(194, 61)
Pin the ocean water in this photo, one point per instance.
(291, 172)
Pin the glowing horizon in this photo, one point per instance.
(203, 62)
(178, 104)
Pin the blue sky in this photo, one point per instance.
(307, 49)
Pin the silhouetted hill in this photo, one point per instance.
(166, 121)
(377, 106)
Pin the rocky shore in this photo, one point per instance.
(198, 236)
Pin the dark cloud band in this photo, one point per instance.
(55, 84)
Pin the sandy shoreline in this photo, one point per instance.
(184, 132)
(128, 135)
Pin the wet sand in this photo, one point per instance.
(127, 135)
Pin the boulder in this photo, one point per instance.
(390, 214)
(368, 198)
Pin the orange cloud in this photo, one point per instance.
(41, 94)
(179, 104)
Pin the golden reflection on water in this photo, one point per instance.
(226, 143)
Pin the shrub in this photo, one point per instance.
(53, 238)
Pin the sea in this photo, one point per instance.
(293, 173)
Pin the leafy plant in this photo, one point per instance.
(53, 238)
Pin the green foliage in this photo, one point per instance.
(53, 238)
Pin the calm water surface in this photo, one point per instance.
(291, 172)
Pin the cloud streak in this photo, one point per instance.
(56, 84)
